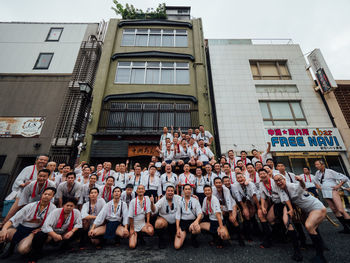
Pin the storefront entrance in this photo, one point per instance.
(296, 161)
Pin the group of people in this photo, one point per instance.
(186, 193)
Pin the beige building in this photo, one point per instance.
(339, 103)
(152, 74)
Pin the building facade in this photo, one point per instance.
(264, 93)
(338, 102)
(41, 67)
(152, 74)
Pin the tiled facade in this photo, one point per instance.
(237, 102)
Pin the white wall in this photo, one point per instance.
(21, 43)
(237, 103)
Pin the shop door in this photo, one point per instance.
(298, 163)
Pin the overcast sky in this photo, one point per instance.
(323, 24)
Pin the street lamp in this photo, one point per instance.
(85, 88)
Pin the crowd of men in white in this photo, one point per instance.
(187, 192)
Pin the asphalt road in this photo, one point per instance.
(339, 245)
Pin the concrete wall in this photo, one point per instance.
(30, 96)
(21, 43)
(237, 103)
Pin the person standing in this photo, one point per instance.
(330, 182)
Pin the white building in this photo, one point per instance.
(264, 92)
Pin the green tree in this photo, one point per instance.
(130, 12)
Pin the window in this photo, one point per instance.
(270, 70)
(137, 72)
(147, 116)
(43, 61)
(143, 37)
(54, 34)
(282, 113)
(2, 160)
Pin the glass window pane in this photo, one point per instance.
(123, 75)
(264, 110)
(181, 32)
(168, 41)
(284, 123)
(167, 76)
(298, 164)
(167, 64)
(54, 34)
(129, 30)
(280, 110)
(301, 123)
(181, 65)
(152, 76)
(268, 69)
(153, 64)
(155, 31)
(168, 31)
(128, 40)
(283, 68)
(182, 76)
(268, 123)
(335, 164)
(181, 41)
(137, 76)
(142, 31)
(297, 110)
(254, 69)
(124, 64)
(154, 40)
(43, 61)
(139, 64)
(141, 40)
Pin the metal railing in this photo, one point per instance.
(143, 119)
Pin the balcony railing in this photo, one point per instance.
(148, 118)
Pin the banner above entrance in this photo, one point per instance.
(304, 139)
(142, 150)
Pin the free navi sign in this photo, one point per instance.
(305, 139)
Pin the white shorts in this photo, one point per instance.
(138, 225)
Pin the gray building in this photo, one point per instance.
(42, 110)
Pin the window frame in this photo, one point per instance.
(54, 40)
(295, 120)
(277, 63)
(161, 67)
(161, 34)
(37, 60)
